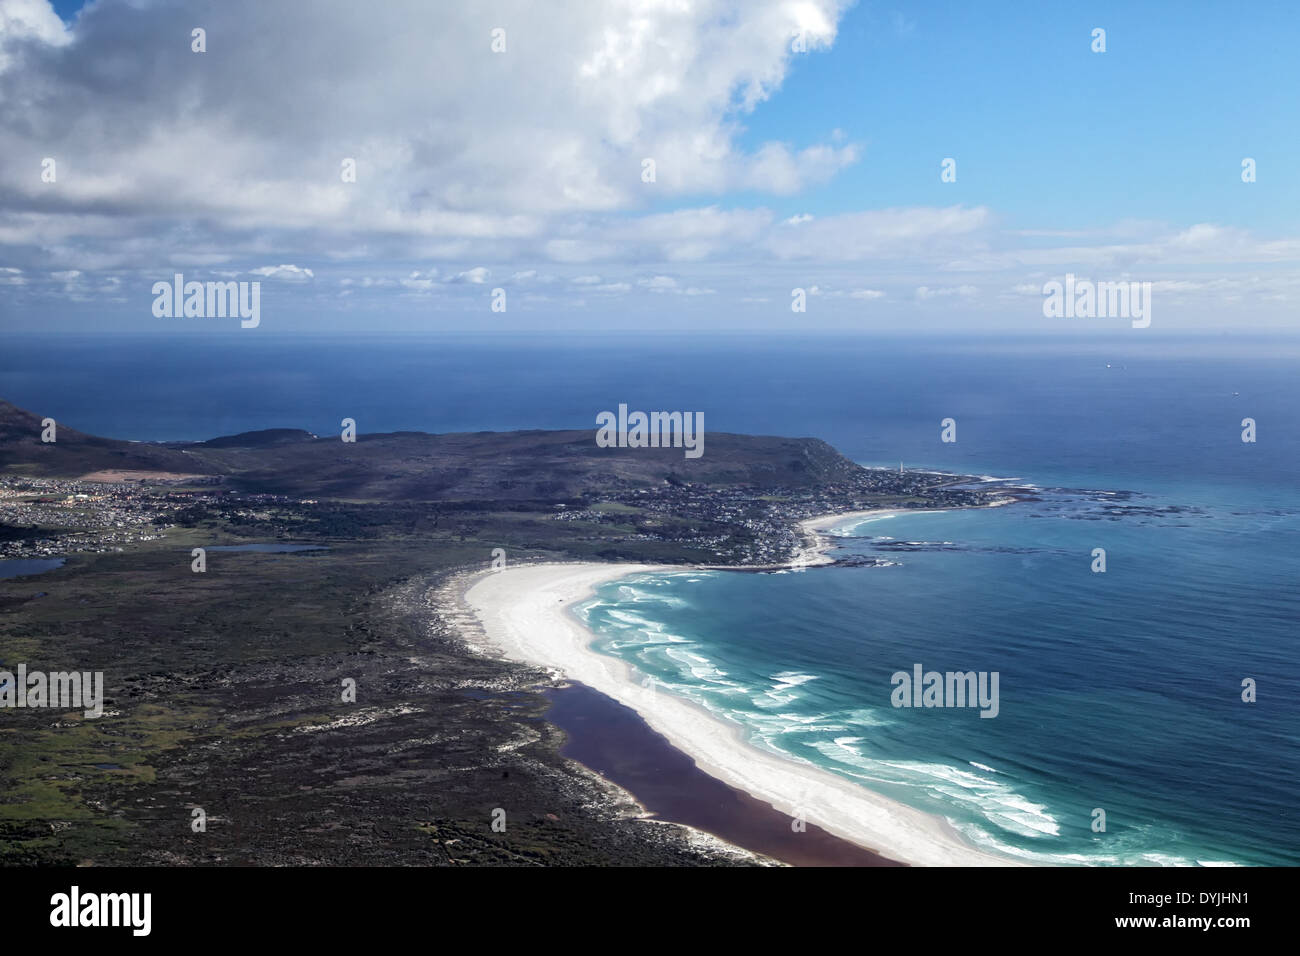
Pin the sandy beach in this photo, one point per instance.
(817, 545)
(525, 615)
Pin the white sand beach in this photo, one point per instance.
(816, 545)
(525, 615)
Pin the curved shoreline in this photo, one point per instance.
(525, 615)
(812, 528)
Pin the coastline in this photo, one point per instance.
(615, 743)
(524, 615)
(822, 544)
(814, 551)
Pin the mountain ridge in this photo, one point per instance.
(527, 464)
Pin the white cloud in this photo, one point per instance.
(881, 234)
(232, 144)
(658, 284)
(26, 26)
(285, 273)
(525, 164)
(964, 291)
(667, 284)
(418, 283)
(476, 276)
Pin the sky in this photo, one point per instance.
(796, 145)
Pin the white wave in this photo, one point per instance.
(632, 619)
(792, 678)
(995, 801)
(850, 525)
(1120, 852)
(866, 717)
(772, 726)
(699, 667)
(637, 595)
(524, 612)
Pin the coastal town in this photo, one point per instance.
(53, 517)
(760, 527)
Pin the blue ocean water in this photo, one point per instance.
(1119, 691)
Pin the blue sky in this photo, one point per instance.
(1045, 130)
(68, 9)
(520, 169)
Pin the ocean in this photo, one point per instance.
(1119, 691)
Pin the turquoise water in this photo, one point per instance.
(1118, 690)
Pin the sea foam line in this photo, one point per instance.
(525, 613)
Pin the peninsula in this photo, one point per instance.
(325, 563)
